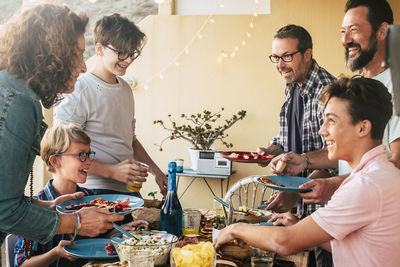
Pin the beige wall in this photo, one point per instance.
(247, 81)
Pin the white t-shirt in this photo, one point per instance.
(107, 114)
(392, 130)
(364, 213)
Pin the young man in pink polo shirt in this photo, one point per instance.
(360, 223)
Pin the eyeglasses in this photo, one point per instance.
(123, 56)
(81, 155)
(285, 58)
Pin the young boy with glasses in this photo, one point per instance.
(103, 105)
(66, 151)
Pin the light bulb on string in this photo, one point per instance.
(159, 1)
(187, 51)
(146, 87)
(161, 76)
(177, 64)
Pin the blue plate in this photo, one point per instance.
(92, 248)
(135, 202)
(291, 183)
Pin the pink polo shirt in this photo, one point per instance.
(363, 215)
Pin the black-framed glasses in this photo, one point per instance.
(123, 56)
(81, 155)
(285, 58)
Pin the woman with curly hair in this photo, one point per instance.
(41, 56)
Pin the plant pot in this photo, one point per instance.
(194, 158)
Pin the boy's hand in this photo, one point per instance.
(282, 201)
(59, 250)
(127, 173)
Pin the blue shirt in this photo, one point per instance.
(21, 130)
(47, 193)
(295, 121)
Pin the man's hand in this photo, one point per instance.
(263, 151)
(51, 205)
(128, 172)
(61, 253)
(285, 219)
(322, 189)
(282, 201)
(295, 164)
(162, 182)
(96, 221)
(270, 150)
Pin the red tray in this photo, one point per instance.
(241, 157)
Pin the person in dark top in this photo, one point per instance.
(301, 114)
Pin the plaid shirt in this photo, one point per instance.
(47, 193)
(317, 79)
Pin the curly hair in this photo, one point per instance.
(39, 46)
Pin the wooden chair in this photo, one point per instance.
(10, 242)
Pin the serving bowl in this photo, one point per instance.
(156, 243)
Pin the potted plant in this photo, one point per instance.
(201, 131)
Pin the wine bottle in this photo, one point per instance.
(171, 211)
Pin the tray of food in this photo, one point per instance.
(246, 156)
(121, 204)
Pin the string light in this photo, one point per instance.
(198, 35)
(232, 53)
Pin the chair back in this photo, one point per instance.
(10, 242)
(245, 197)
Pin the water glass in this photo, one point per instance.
(141, 260)
(261, 258)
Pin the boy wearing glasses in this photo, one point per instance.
(301, 115)
(103, 105)
(66, 151)
(360, 222)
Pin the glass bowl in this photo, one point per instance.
(159, 244)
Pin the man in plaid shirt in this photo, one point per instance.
(301, 115)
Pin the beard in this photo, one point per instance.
(366, 55)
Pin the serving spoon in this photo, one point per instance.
(123, 231)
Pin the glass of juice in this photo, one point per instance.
(191, 222)
(138, 185)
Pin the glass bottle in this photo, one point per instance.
(171, 211)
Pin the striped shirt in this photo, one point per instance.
(313, 117)
(47, 193)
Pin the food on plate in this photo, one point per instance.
(101, 203)
(266, 180)
(158, 244)
(280, 166)
(219, 222)
(114, 264)
(206, 226)
(199, 255)
(185, 240)
(247, 155)
(243, 208)
(110, 249)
